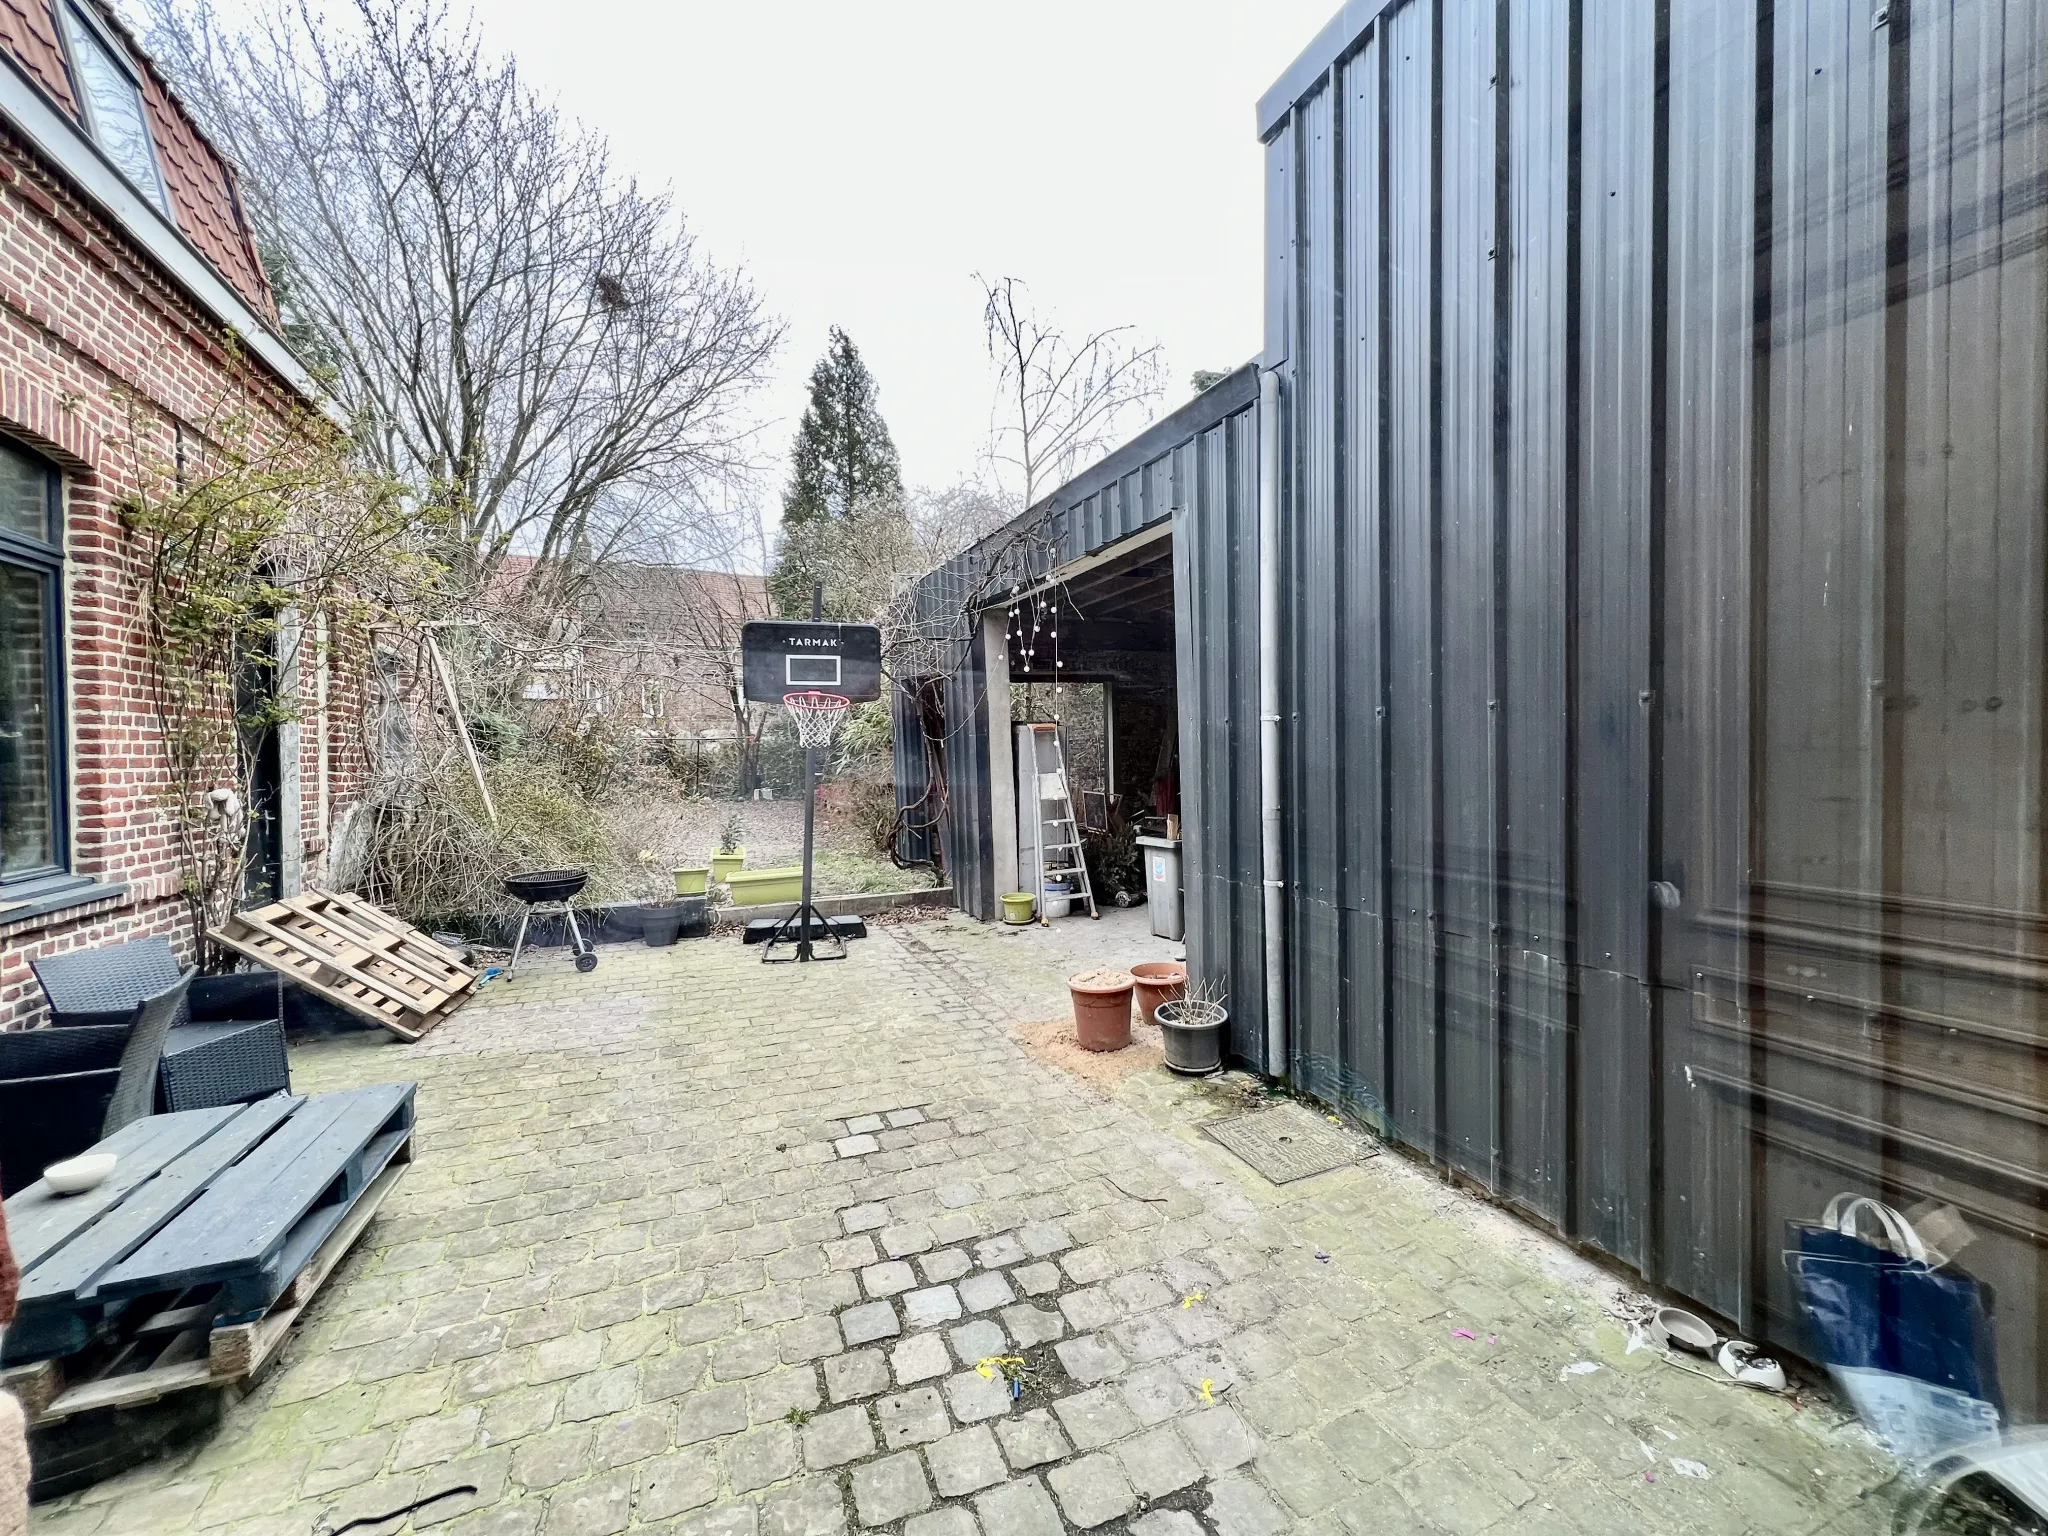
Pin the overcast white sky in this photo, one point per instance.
(864, 159)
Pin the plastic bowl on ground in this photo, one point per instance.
(1679, 1329)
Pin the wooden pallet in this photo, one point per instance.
(190, 1265)
(171, 1348)
(357, 956)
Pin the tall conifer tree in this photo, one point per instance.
(843, 469)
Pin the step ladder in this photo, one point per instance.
(1055, 852)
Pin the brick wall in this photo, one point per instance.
(86, 323)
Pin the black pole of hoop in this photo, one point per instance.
(806, 918)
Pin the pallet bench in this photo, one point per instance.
(189, 1265)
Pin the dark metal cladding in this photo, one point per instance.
(1664, 435)
(1216, 582)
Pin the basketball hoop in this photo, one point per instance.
(819, 671)
(817, 716)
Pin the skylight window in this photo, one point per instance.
(112, 100)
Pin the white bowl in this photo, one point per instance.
(76, 1175)
(1680, 1329)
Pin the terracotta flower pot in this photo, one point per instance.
(1159, 981)
(1102, 1009)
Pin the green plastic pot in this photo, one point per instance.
(765, 887)
(691, 882)
(723, 865)
(1017, 907)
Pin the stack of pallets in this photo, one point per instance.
(188, 1266)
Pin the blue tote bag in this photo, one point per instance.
(1908, 1339)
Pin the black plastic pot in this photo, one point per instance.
(1193, 1049)
(660, 925)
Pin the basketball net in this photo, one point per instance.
(817, 716)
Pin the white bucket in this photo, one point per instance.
(1059, 901)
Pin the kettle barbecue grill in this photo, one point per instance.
(550, 889)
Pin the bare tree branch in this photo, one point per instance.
(529, 338)
(1060, 402)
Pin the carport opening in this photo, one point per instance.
(1093, 651)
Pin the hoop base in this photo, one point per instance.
(799, 935)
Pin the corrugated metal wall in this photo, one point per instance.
(1665, 500)
(1216, 623)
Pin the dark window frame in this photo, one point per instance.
(44, 558)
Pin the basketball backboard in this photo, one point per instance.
(785, 656)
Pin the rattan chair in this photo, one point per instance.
(55, 1085)
(61, 1090)
(105, 985)
(135, 1087)
(227, 1044)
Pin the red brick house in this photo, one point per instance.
(125, 267)
(653, 648)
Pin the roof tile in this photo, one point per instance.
(28, 30)
(203, 195)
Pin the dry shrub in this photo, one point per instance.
(872, 804)
(426, 848)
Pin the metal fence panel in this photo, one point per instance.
(1408, 58)
(1468, 703)
(1358, 540)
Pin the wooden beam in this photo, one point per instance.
(461, 724)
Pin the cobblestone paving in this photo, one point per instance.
(696, 1245)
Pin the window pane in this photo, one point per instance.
(28, 822)
(24, 494)
(115, 105)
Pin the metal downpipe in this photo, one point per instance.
(1271, 872)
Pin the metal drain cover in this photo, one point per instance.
(1284, 1144)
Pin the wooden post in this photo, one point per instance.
(461, 725)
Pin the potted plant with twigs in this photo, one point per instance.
(1194, 1026)
(661, 915)
(732, 854)
(1159, 981)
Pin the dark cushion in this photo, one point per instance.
(44, 1120)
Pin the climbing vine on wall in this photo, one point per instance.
(262, 543)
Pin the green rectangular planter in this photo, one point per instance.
(765, 887)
